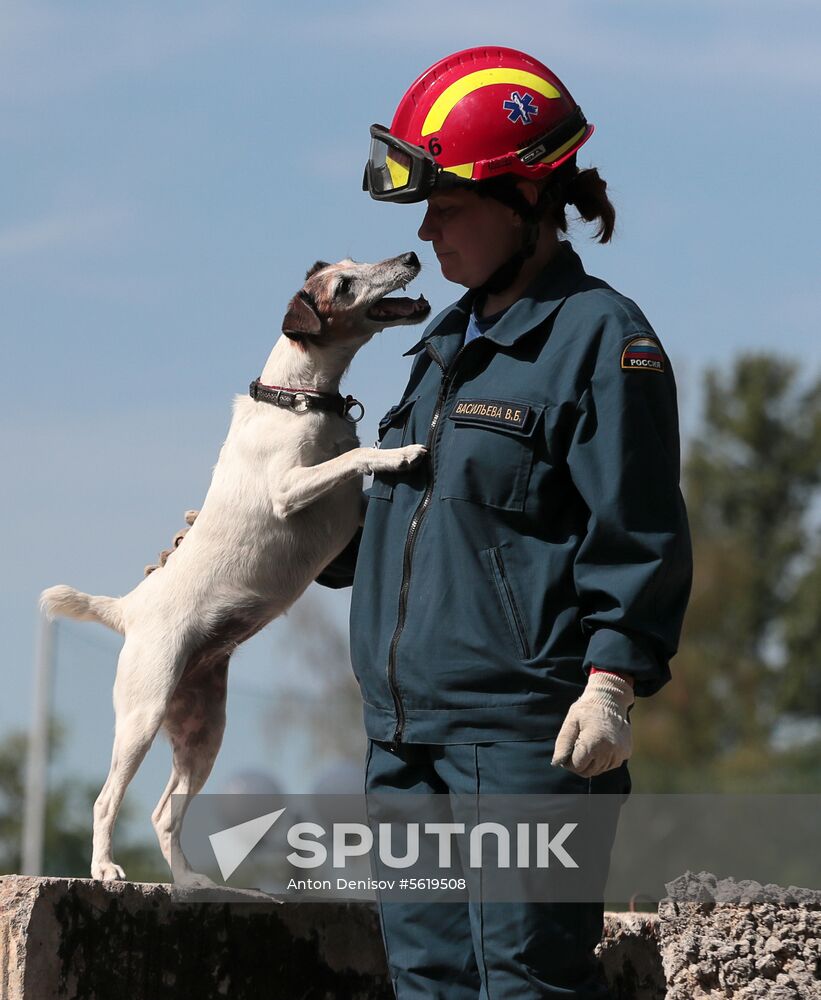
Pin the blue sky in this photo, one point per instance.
(170, 170)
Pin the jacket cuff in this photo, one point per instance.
(609, 649)
(616, 673)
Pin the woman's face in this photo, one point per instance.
(471, 236)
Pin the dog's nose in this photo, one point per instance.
(410, 259)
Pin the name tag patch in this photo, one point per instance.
(642, 354)
(490, 413)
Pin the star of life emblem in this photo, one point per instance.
(521, 108)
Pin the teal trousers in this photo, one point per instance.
(490, 950)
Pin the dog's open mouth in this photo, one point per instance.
(399, 308)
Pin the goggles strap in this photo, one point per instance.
(504, 189)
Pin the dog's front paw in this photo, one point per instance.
(412, 454)
(107, 871)
(397, 459)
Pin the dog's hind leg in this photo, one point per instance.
(146, 678)
(195, 723)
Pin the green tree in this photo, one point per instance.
(749, 651)
(801, 691)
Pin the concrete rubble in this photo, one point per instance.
(740, 939)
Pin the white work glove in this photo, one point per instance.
(595, 735)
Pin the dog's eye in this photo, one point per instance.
(343, 286)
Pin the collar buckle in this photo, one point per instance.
(300, 400)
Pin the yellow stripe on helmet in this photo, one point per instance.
(450, 97)
(562, 149)
(462, 170)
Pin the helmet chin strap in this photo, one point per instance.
(505, 190)
(504, 276)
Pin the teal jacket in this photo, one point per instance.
(544, 534)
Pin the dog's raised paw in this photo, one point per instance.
(396, 459)
(412, 454)
(400, 458)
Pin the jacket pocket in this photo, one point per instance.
(392, 433)
(488, 462)
(508, 601)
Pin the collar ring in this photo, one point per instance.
(349, 405)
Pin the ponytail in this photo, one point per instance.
(587, 192)
(584, 189)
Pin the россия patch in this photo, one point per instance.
(642, 354)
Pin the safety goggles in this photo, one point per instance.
(398, 171)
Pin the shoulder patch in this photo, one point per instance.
(642, 354)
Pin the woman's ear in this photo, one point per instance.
(529, 189)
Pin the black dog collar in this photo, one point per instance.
(300, 400)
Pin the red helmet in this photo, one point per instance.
(477, 114)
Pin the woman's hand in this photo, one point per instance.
(595, 735)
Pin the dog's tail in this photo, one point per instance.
(71, 603)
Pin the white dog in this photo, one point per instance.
(284, 500)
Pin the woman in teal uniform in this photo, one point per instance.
(515, 592)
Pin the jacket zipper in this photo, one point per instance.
(413, 530)
(507, 596)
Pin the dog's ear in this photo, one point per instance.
(318, 266)
(301, 320)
